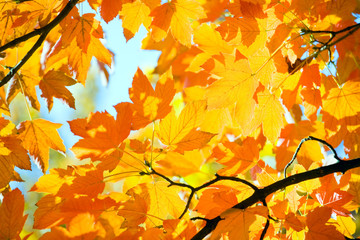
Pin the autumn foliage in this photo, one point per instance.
(232, 136)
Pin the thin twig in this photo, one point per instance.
(309, 31)
(308, 139)
(43, 32)
(193, 190)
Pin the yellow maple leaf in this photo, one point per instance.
(173, 129)
(163, 201)
(270, 113)
(133, 15)
(210, 41)
(176, 15)
(236, 83)
(342, 105)
(37, 137)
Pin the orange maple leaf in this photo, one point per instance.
(102, 134)
(81, 226)
(82, 28)
(24, 82)
(134, 211)
(317, 228)
(237, 222)
(52, 182)
(245, 157)
(210, 41)
(37, 137)
(215, 200)
(53, 85)
(150, 105)
(109, 9)
(11, 215)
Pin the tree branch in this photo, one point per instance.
(193, 190)
(260, 194)
(43, 32)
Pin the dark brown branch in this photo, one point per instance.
(43, 32)
(260, 194)
(195, 189)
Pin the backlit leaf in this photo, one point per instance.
(37, 137)
(149, 104)
(237, 222)
(11, 215)
(342, 105)
(53, 85)
(173, 129)
(134, 14)
(175, 15)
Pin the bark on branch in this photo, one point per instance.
(260, 194)
(43, 32)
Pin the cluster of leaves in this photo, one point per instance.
(240, 85)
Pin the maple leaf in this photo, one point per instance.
(81, 226)
(37, 137)
(245, 157)
(150, 105)
(180, 131)
(236, 85)
(210, 41)
(330, 195)
(53, 85)
(176, 164)
(239, 30)
(162, 201)
(53, 210)
(237, 222)
(110, 9)
(247, 9)
(316, 223)
(11, 215)
(215, 200)
(78, 59)
(101, 133)
(52, 182)
(24, 83)
(133, 15)
(82, 29)
(12, 154)
(270, 113)
(4, 106)
(340, 105)
(179, 229)
(134, 211)
(90, 184)
(175, 15)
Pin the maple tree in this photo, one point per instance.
(247, 129)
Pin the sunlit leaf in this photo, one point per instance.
(37, 137)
